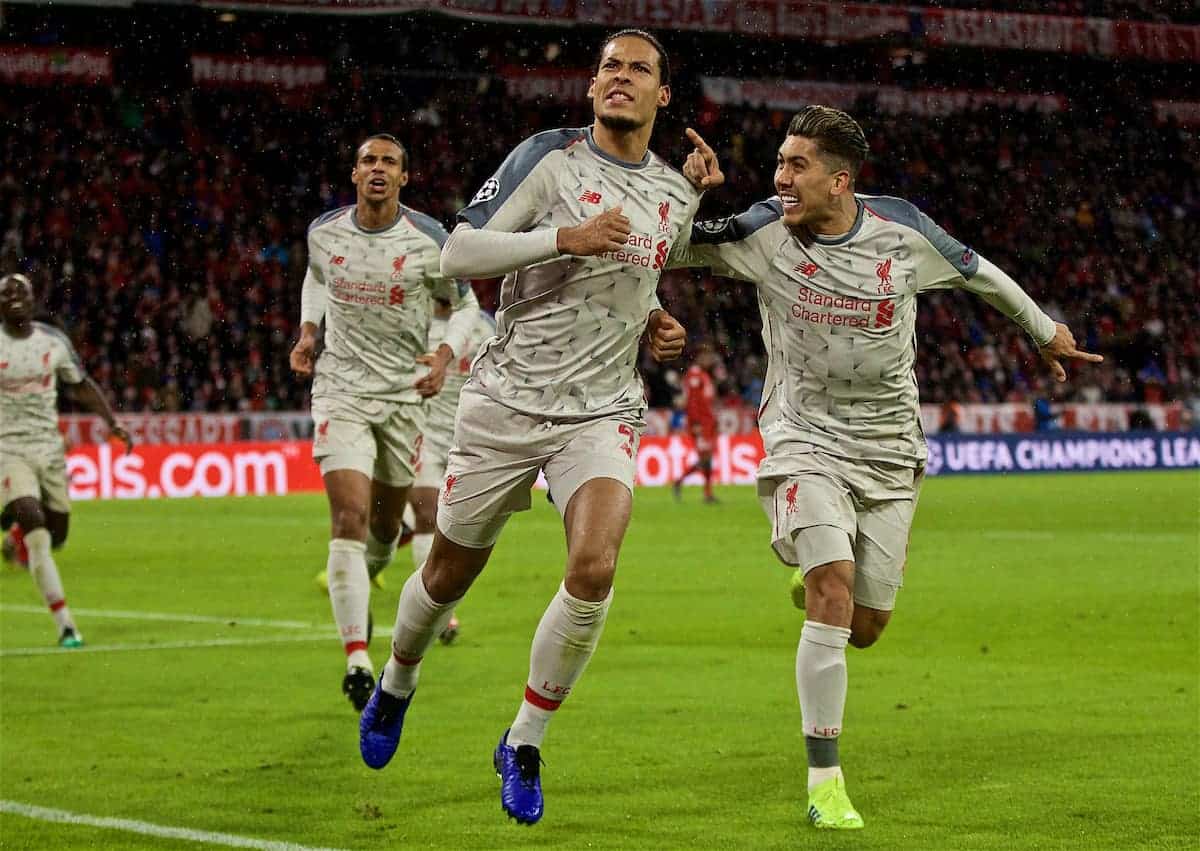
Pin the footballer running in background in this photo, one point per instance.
(700, 396)
(34, 358)
(436, 439)
(580, 221)
(372, 278)
(838, 275)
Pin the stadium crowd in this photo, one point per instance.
(1137, 10)
(167, 231)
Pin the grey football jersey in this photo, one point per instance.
(567, 330)
(30, 369)
(441, 409)
(839, 320)
(379, 290)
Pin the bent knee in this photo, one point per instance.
(866, 626)
(590, 574)
(425, 517)
(831, 584)
(384, 530)
(349, 523)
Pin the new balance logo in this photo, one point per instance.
(806, 269)
(590, 197)
(337, 260)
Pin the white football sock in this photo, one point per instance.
(564, 642)
(379, 553)
(422, 543)
(45, 574)
(821, 684)
(419, 619)
(350, 596)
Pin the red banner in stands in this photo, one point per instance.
(1016, 417)
(546, 84)
(796, 94)
(155, 428)
(289, 73)
(814, 21)
(237, 469)
(54, 66)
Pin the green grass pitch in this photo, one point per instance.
(1037, 688)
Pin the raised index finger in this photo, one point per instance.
(699, 142)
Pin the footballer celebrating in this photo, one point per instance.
(580, 221)
(34, 358)
(838, 275)
(372, 278)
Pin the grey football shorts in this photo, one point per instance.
(829, 509)
(498, 453)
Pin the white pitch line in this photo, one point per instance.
(166, 616)
(146, 828)
(162, 645)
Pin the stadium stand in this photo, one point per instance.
(165, 221)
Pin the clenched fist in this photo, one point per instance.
(603, 232)
(666, 336)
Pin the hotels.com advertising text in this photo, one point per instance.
(259, 469)
(262, 469)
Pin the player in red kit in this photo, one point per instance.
(700, 391)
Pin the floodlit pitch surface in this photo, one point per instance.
(1037, 688)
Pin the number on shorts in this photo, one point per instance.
(630, 436)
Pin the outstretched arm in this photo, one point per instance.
(89, 394)
(1054, 340)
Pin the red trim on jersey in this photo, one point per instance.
(351, 646)
(54, 607)
(540, 702)
(400, 660)
(876, 215)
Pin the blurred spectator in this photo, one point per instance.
(951, 418)
(168, 231)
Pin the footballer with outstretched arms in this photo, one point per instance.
(838, 275)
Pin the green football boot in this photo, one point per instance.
(829, 807)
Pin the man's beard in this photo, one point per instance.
(620, 123)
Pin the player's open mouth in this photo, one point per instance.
(377, 183)
(790, 202)
(619, 97)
